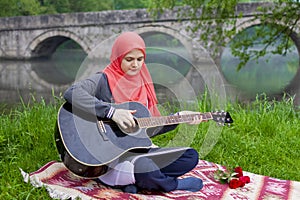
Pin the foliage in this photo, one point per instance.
(38, 7)
(125, 4)
(19, 7)
(271, 73)
(280, 15)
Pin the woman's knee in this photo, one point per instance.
(193, 156)
(144, 165)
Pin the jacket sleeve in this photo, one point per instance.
(82, 95)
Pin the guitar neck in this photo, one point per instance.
(148, 122)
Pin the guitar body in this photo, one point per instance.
(87, 144)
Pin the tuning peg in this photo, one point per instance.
(220, 124)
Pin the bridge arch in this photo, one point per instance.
(292, 87)
(247, 23)
(160, 61)
(203, 71)
(190, 45)
(46, 43)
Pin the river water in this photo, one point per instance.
(28, 80)
(47, 78)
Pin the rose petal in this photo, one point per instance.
(234, 183)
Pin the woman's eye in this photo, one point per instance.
(129, 59)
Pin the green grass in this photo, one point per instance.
(264, 139)
(26, 141)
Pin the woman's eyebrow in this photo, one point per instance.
(133, 56)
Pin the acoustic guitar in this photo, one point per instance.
(87, 144)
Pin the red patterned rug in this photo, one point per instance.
(62, 184)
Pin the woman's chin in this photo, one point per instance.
(132, 72)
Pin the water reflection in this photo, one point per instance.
(169, 65)
(38, 77)
(270, 74)
(18, 81)
(41, 77)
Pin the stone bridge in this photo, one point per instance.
(39, 36)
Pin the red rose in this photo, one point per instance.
(239, 172)
(234, 183)
(245, 179)
(242, 181)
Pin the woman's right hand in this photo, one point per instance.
(124, 118)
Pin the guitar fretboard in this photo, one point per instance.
(172, 119)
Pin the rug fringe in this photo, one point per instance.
(25, 175)
(53, 193)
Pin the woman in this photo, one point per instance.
(125, 79)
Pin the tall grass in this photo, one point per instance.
(263, 139)
(26, 141)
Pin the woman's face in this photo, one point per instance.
(132, 62)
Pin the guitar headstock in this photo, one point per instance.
(222, 117)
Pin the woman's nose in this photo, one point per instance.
(135, 63)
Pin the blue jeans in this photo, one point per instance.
(160, 173)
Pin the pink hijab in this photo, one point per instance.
(130, 88)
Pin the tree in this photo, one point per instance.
(280, 16)
(7, 8)
(130, 4)
(89, 5)
(11, 8)
(29, 7)
(19, 7)
(62, 6)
